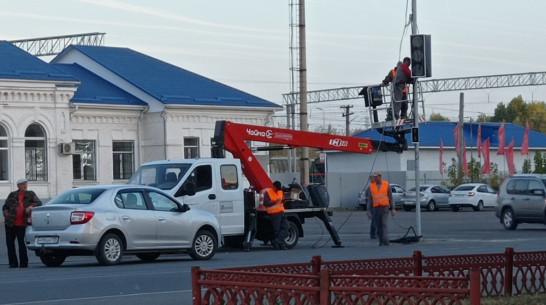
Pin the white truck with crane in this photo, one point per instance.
(216, 184)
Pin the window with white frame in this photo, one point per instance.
(4, 174)
(123, 159)
(191, 147)
(35, 153)
(84, 161)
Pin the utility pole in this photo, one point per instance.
(303, 94)
(416, 125)
(460, 144)
(347, 115)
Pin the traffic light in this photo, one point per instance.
(420, 56)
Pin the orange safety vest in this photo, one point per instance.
(277, 207)
(380, 197)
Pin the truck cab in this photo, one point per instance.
(214, 185)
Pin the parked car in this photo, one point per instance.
(475, 195)
(432, 197)
(109, 221)
(522, 199)
(397, 195)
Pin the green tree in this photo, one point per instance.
(475, 169)
(454, 174)
(526, 166)
(539, 163)
(437, 117)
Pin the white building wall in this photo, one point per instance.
(22, 103)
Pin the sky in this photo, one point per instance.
(245, 43)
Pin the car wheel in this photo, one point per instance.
(508, 219)
(455, 208)
(407, 208)
(293, 235)
(431, 206)
(148, 257)
(479, 207)
(52, 260)
(204, 245)
(110, 250)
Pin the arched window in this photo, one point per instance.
(35, 153)
(3, 154)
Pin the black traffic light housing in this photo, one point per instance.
(420, 56)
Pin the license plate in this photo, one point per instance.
(459, 195)
(47, 240)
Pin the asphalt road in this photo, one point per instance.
(83, 281)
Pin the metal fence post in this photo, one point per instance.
(195, 286)
(418, 263)
(324, 297)
(317, 262)
(508, 271)
(475, 286)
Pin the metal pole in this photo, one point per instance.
(289, 152)
(303, 94)
(416, 125)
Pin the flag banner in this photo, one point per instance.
(486, 168)
(479, 140)
(510, 157)
(525, 141)
(456, 136)
(501, 139)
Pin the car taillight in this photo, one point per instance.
(80, 217)
(471, 193)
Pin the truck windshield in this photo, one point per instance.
(162, 176)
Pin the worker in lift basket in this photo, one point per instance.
(400, 77)
(274, 202)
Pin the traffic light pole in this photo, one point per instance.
(416, 125)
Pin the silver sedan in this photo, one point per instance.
(109, 221)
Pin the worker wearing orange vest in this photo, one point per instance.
(380, 200)
(274, 203)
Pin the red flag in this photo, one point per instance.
(501, 139)
(466, 170)
(456, 136)
(479, 142)
(441, 157)
(510, 157)
(486, 169)
(525, 141)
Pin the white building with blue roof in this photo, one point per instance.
(115, 107)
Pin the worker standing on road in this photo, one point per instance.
(380, 200)
(16, 209)
(400, 81)
(274, 202)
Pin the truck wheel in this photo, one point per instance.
(293, 235)
(110, 250)
(204, 245)
(52, 260)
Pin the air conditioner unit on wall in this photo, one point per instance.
(67, 148)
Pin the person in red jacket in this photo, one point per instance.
(16, 209)
(401, 79)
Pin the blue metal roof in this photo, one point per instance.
(166, 82)
(94, 89)
(18, 64)
(430, 134)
